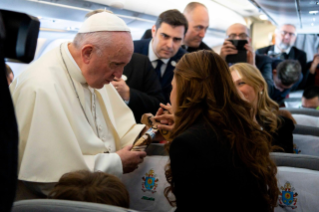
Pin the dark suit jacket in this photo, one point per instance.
(141, 47)
(145, 88)
(294, 54)
(205, 171)
(263, 63)
(202, 46)
(8, 142)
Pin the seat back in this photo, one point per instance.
(306, 144)
(306, 120)
(296, 160)
(304, 111)
(156, 149)
(298, 189)
(147, 183)
(50, 205)
(292, 102)
(306, 130)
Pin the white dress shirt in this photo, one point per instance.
(153, 58)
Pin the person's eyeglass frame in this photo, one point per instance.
(241, 36)
(283, 33)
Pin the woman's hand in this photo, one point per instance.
(165, 117)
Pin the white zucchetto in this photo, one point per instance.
(103, 21)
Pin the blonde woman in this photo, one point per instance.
(250, 82)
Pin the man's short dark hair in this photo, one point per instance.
(311, 92)
(289, 72)
(173, 18)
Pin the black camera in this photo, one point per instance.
(18, 40)
(20, 35)
(241, 56)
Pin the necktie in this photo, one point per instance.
(158, 68)
(284, 56)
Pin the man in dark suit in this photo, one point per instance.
(284, 49)
(241, 32)
(163, 50)
(198, 22)
(284, 76)
(139, 87)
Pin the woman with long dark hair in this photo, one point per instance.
(219, 156)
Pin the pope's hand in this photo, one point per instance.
(130, 159)
(122, 88)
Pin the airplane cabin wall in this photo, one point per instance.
(262, 33)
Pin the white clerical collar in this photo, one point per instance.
(74, 70)
(152, 56)
(278, 51)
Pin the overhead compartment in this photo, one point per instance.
(220, 16)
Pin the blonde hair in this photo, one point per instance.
(267, 109)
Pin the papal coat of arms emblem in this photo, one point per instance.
(296, 150)
(149, 182)
(287, 196)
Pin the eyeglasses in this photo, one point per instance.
(291, 34)
(242, 36)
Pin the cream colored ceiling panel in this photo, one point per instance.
(220, 16)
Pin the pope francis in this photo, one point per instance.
(69, 115)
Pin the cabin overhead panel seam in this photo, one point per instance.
(89, 10)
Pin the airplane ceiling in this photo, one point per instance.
(134, 11)
(297, 12)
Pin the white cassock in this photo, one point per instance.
(56, 135)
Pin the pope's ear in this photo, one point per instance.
(86, 53)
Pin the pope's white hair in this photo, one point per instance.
(101, 40)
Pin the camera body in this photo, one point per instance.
(241, 56)
(20, 35)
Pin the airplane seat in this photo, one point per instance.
(306, 130)
(296, 94)
(298, 189)
(147, 34)
(306, 120)
(306, 144)
(295, 160)
(292, 102)
(304, 111)
(147, 183)
(45, 205)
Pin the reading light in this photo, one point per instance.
(263, 17)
